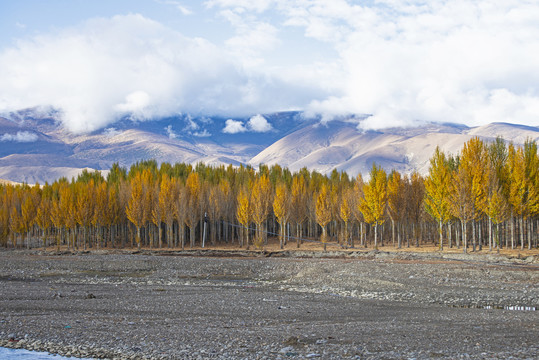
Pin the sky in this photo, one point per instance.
(400, 62)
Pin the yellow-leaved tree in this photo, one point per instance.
(192, 188)
(135, 205)
(474, 160)
(345, 213)
(180, 209)
(102, 217)
(517, 189)
(355, 200)
(84, 209)
(43, 217)
(260, 205)
(437, 190)
(396, 202)
(374, 202)
(299, 211)
(243, 215)
(28, 215)
(461, 201)
(531, 160)
(161, 206)
(323, 211)
(281, 209)
(498, 189)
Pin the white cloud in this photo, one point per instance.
(171, 134)
(129, 65)
(466, 62)
(258, 123)
(234, 127)
(191, 124)
(111, 132)
(204, 133)
(408, 62)
(20, 136)
(403, 62)
(136, 104)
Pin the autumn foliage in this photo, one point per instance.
(485, 196)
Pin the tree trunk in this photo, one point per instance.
(521, 232)
(281, 240)
(529, 234)
(441, 236)
(473, 236)
(490, 234)
(297, 235)
(393, 232)
(160, 236)
(498, 237)
(399, 244)
(464, 238)
(512, 231)
(376, 236)
(480, 235)
(192, 234)
(450, 235)
(324, 237)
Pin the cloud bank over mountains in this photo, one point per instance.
(403, 63)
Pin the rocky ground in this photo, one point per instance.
(270, 306)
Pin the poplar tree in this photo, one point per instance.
(355, 201)
(518, 191)
(396, 202)
(323, 211)
(437, 189)
(101, 217)
(84, 206)
(260, 205)
(158, 209)
(415, 195)
(192, 192)
(43, 217)
(374, 202)
(300, 209)
(243, 215)
(28, 214)
(498, 189)
(461, 200)
(135, 205)
(180, 210)
(281, 209)
(531, 161)
(474, 161)
(345, 212)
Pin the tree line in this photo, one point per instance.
(487, 195)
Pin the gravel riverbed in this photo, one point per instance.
(289, 306)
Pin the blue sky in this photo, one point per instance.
(402, 62)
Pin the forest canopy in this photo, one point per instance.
(487, 195)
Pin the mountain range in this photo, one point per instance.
(38, 149)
